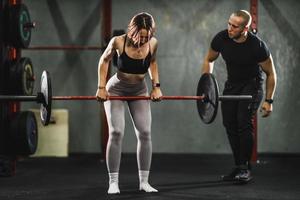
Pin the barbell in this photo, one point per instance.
(207, 98)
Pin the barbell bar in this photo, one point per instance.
(207, 98)
(124, 98)
(221, 98)
(127, 98)
(65, 47)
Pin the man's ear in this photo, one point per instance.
(246, 28)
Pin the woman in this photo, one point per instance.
(136, 55)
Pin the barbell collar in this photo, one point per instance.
(29, 25)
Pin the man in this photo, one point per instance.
(246, 57)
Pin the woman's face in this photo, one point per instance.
(144, 37)
(141, 38)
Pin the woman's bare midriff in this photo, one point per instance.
(130, 78)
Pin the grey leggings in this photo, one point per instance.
(141, 117)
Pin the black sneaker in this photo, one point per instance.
(232, 176)
(244, 176)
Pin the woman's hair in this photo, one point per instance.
(140, 21)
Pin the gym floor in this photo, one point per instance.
(181, 177)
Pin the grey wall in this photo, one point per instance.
(184, 31)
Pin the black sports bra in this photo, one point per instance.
(133, 66)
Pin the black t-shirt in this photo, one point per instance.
(241, 58)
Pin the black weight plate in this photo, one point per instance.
(24, 133)
(20, 77)
(19, 36)
(27, 76)
(208, 107)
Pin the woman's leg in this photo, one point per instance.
(141, 116)
(116, 123)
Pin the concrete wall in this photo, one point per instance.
(184, 31)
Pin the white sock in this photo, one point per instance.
(144, 184)
(113, 183)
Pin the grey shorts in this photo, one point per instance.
(117, 87)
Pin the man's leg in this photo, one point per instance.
(230, 123)
(246, 113)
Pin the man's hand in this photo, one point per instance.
(266, 109)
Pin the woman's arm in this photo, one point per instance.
(154, 74)
(103, 69)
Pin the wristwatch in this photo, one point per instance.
(156, 84)
(270, 101)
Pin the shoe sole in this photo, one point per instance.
(244, 181)
(228, 180)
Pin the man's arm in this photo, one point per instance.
(209, 59)
(271, 80)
